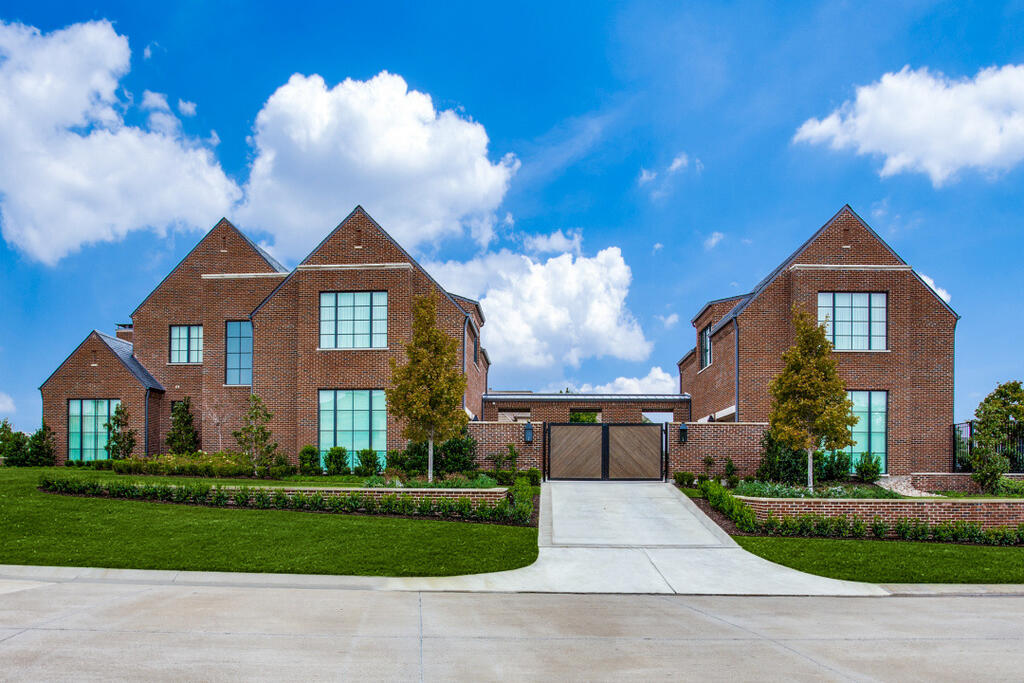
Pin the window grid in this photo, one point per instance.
(238, 353)
(705, 347)
(186, 344)
(354, 419)
(353, 320)
(870, 434)
(854, 321)
(87, 431)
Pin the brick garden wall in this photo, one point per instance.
(946, 481)
(740, 441)
(494, 437)
(475, 495)
(988, 513)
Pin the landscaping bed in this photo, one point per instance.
(46, 529)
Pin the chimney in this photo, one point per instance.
(125, 331)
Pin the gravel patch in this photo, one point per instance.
(901, 485)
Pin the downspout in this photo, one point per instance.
(145, 438)
(736, 346)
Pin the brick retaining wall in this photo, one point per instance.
(948, 481)
(740, 441)
(494, 437)
(986, 512)
(474, 495)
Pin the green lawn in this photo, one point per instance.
(47, 529)
(892, 561)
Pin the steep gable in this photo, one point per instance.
(116, 358)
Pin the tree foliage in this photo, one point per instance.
(427, 390)
(810, 409)
(998, 418)
(254, 438)
(182, 438)
(13, 445)
(121, 437)
(41, 452)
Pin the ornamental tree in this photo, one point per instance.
(41, 452)
(810, 408)
(254, 436)
(427, 390)
(998, 418)
(121, 437)
(182, 437)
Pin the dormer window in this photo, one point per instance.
(705, 347)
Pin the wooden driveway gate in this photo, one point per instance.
(605, 451)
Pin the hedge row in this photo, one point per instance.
(517, 509)
(820, 526)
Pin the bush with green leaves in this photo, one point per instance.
(336, 461)
(869, 468)
(733, 508)
(780, 463)
(120, 436)
(369, 463)
(309, 461)
(41, 452)
(684, 479)
(760, 489)
(998, 420)
(13, 445)
(182, 437)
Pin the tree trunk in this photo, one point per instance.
(810, 468)
(430, 457)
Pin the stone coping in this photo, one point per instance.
(916, 499)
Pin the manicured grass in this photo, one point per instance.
(691, 493)
(46, 529)
(892, 561)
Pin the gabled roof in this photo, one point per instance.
(359, 210)
(123, 351)
(471, 302)
(716, 301)
(271, 261)
(686, 355)
(763, 284)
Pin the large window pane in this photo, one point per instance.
(87, 428)
(854, 320)
(353, 320)
(238, 353)
(186, 344)
(355, 419)
(870, 434)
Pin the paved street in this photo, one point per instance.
(91, 631)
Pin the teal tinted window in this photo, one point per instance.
(87, 428)
(186, 344)
(354, 419)
(353, 320)
(870, 434)
(854, 321)
(238, 353)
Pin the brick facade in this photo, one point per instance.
(949, 481)
(986, 512)
(740, 441)
(494, 437)
(916, 368)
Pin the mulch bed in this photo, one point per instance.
(721, 520)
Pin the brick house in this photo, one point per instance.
(229, 320)
(893, 338)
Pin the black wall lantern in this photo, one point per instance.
(528, 432)
(682, 432)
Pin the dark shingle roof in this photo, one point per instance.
(123, 350)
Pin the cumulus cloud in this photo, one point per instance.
(646, 176)
(570, 241)
(713, 239)
(543, 313)
(319, 150)
(657, 247)
(6, 403)
(943, 294)
(669, 321)
(657, 381)
(680, 162)
(73, 173)
(925, 122)
(186, 108)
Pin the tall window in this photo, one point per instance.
(238, 353)
(353, 320)
(476, 350)
(871, 431)
(705, 347)
(87, 431)
(355, 419)
(854, 321)
(186, 343)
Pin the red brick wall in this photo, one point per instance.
(740, 441)
(494, 437)
(92, 371)
(946, 481)
(987, 513)
(611, 411)
(475, 495)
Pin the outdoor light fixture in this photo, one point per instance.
(528, 432)
(682, 432)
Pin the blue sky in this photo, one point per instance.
(593, 172)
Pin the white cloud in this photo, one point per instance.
(925, 122)
(657, 381)
(646, 176)
(423, 173)
(680, 162)
(943, 294)
(658, 246)
(669, 321)
(713, 239)
(698, 166)
(73, 173)
(543, 313)
(558, 241)
(186, 108)
(147, 52)
(6, 403)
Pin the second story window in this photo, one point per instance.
(705, 347)
(186, 343)
(854, 321)
(238, 353)
(353, 320)
(476, 350)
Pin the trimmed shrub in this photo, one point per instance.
(684, 479)
(733, 508)
(869, 468)
(336, 462)
(534, 475)
(309, 461)
(369, 463)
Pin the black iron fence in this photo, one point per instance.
(964, 444)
